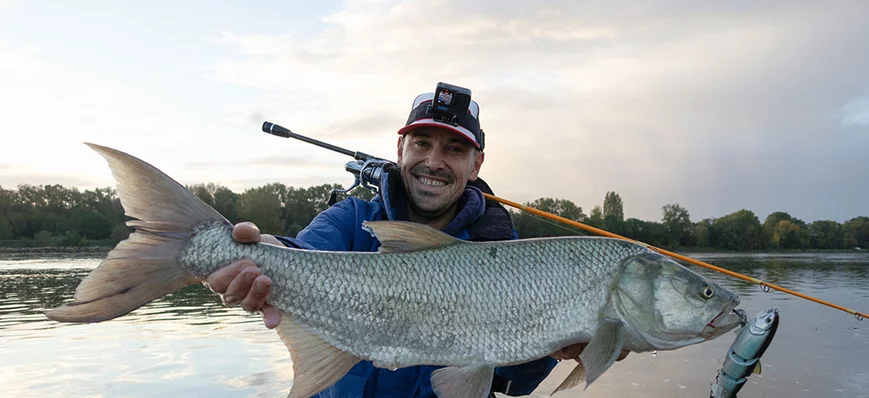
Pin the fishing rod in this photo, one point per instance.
(765, 286)
(367, 170)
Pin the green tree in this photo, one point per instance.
(611, 223)
(702, 234)
(70, 238)
(226, 203)
(303, 204)
(7, 200)
(770, 224)
(786, 235)
(530, 226)
(826, 234)
(649, 232)
(104, 201)
(263, 209)
(5, 228)
(218, 197)
(856, 232)
(613, 206)
(738, 231)
(204, 191)
(595, 218)
(362, 193)
(679, 225)
(43, 238)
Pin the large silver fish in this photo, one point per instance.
(425, 298)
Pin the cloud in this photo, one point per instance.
(712, 106)
(18, 63)
(12, 181)
(7, 4)
(715, 106)
(260, 161)
(856, 112)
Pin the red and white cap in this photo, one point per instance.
(468, 125)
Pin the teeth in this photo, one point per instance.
(433, 183)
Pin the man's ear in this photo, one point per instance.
(400, 148)
(479, 157)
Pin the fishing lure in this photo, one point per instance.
(743, 357)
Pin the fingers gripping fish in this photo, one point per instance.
(425, 298)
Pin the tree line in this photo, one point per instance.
(53, 215)
(740, 230)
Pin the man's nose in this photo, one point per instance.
(435, 159)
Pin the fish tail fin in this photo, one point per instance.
(145, 266)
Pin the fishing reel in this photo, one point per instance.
(366, 173)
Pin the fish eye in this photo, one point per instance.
(707, 292)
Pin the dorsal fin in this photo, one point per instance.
(405, 236)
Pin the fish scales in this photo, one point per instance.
(482, 302)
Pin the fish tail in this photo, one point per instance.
(146, 265)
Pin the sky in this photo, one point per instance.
(716, 106)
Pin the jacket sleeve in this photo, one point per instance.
(524, 378)
(332, 229)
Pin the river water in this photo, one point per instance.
(188, 344)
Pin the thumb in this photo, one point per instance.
(271, 316)
(246, 232)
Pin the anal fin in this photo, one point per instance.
(472, 381)
(603, 350)
(575, 378)
(316, 364)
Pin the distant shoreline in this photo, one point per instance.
(57, 250)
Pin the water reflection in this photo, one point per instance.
(189, 344)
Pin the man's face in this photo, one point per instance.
(436, 164)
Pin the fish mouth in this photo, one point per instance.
(726, 320)
(711, 323)
(743, 319)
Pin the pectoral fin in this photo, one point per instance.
(575, 378)
(472, 381)
(316, 363)
(603, 350)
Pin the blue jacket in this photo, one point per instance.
(338, 228)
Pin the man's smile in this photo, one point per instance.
(429, 181)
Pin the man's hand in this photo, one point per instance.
(573, 351)
(242, 283)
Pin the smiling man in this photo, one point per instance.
(435, 182)
(437, 160)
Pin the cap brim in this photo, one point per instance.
(465, 133)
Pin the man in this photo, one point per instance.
(435, 182)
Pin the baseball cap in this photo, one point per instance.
(468, 125)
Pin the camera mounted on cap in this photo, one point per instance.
(450, 103)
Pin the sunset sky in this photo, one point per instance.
(717, 106)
